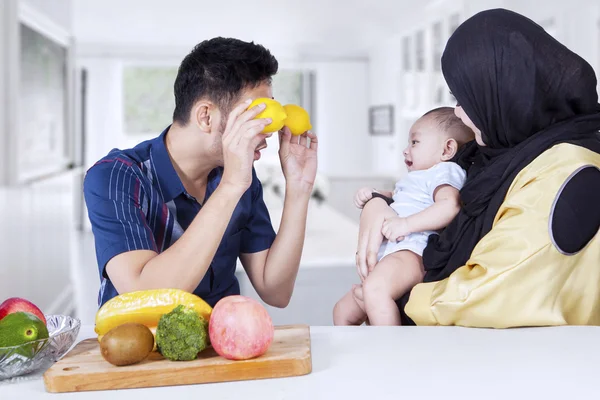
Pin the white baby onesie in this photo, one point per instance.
(413, 194)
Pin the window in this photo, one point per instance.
(453, 23)
(420, 51)
(43, 139)
(438, 46)
(406, 52)
(288, 87)
(549, 26)
(439, 95)
(148, 98)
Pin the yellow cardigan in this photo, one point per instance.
(515, 275)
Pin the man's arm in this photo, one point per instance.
(185, 263)
(273, 272)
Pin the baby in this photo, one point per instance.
(426, 200)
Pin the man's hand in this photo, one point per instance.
(241, 137)
(395, 229)
(362, 196)
(298, 160)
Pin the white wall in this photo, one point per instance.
(59, 11)
(341, 116)
(384, 88)
(308, 27)
(103, 124)
(576, 24)
(3, 87)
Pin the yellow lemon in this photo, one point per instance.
(274, 110)
(297, 119)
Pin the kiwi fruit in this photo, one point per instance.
(127, 344)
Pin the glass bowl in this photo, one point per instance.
(29, 357)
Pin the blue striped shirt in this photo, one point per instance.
(136, 201)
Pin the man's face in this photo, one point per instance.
(262, 90)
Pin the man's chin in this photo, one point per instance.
(256, 155)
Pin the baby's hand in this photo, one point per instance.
(362, 196)
(395, 229)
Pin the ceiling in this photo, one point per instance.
(293, 28)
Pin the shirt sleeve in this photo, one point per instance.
(447, 173)
(112, 192)
(258, 234)
(576, 214)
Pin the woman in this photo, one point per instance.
(524, 250)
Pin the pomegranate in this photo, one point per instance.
(240, 328)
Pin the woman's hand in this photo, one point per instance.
(369, 234)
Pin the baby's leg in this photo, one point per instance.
(348, 312)
(393, 276)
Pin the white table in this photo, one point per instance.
(404, 363)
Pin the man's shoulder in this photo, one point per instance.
(115, 159)
(136, 157)
(115, 166)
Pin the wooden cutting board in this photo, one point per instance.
(84, 369)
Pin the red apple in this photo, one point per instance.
(15, 304)
(240, 328)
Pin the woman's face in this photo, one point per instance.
(460, 113)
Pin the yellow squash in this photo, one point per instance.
(146, 307)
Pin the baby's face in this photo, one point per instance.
(425, 145)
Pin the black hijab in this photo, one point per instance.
(526, 92)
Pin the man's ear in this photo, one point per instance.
(201, 116)
(450, 149)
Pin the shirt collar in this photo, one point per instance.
(168, 180)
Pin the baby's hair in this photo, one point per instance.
(451, 124)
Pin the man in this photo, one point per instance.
(177, 211)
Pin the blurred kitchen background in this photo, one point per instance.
(80, 77)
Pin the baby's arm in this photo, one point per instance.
(445, 207)
(365, 194)
(439, 215)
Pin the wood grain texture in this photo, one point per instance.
(84, 369)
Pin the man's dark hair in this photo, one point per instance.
(218, 70)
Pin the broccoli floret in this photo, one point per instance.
(181, 334)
